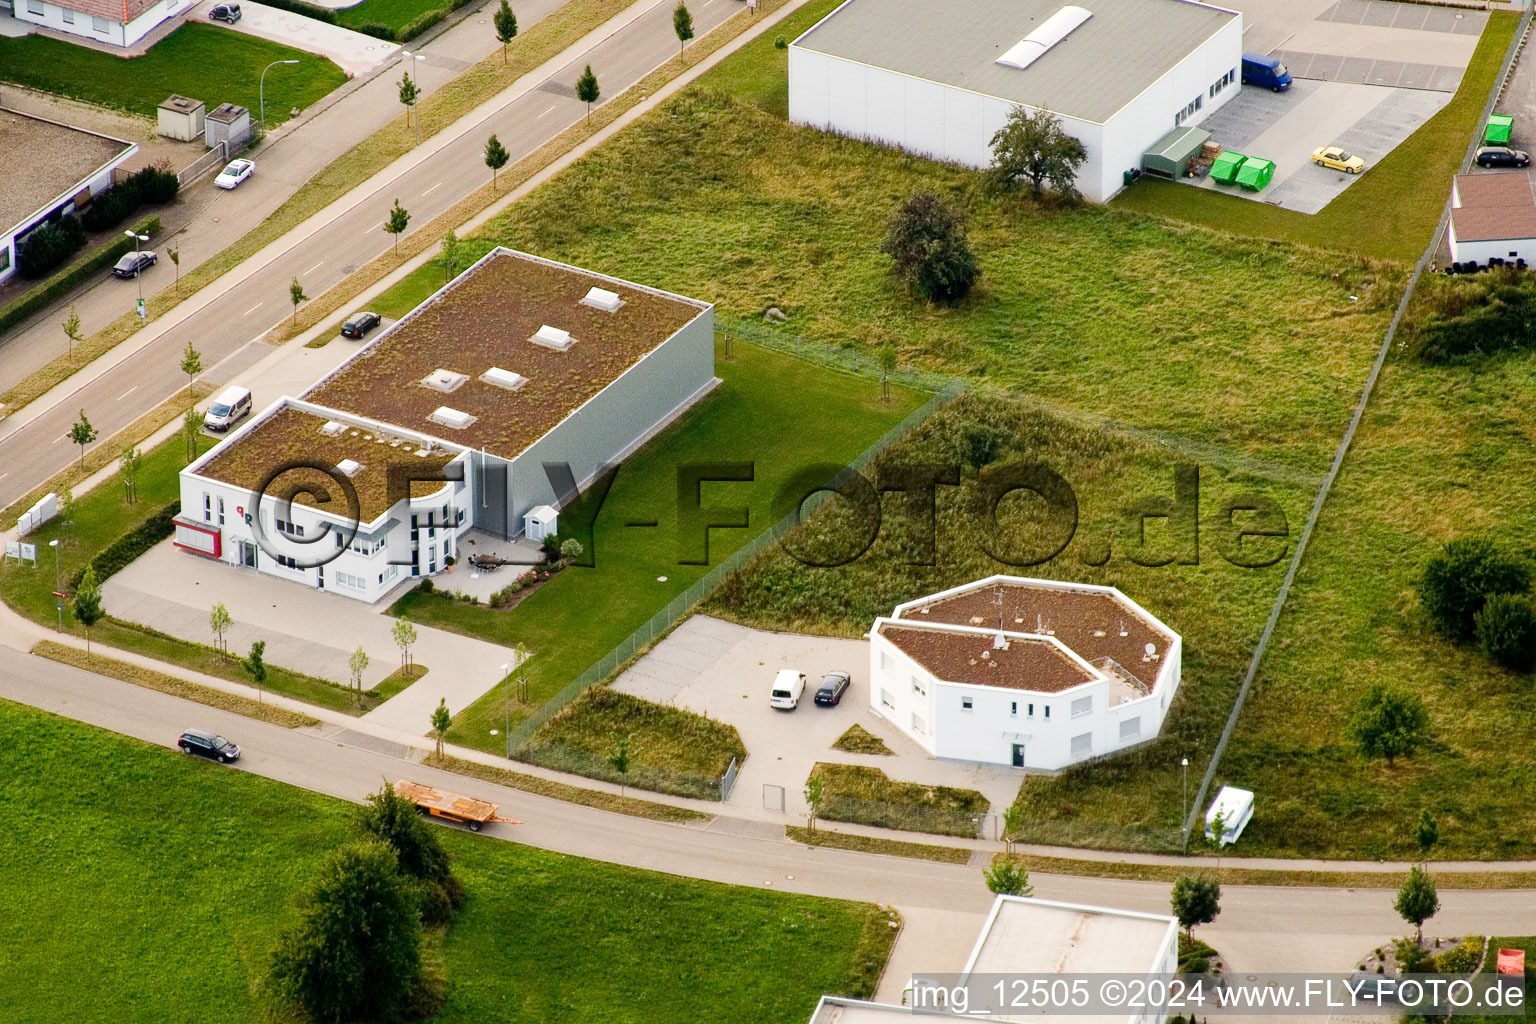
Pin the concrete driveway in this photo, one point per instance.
(353, 52)
(724, 670)
(306, 630)
(1366, 120)
(1368, 30)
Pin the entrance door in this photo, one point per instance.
(1018, 755)
(247, 554)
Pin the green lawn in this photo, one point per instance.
(1391, 211)
(392, 14)
(170, 876)
(868, 796)
(206, 62)
(1235, 343)
(775, 411)
(758, 72)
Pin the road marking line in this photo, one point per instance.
(372, 229)
(58, 439)
(306, 273)
(546, 112)
(4, 475)
(125, 394)
(253, 308)
(430, 190)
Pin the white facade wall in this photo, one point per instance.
(62, 18)
(953, 124)
(1482, 251)
(98, 183)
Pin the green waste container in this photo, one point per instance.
(1255, 173)
(1500, 128)
(1224, 169)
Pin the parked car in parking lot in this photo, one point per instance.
(359, 324)
(235, 172)
(204, 743)
(225, 12)
(134, 263)
(788, 688)
(1336, 159)
(1501, 156)
(833, 685)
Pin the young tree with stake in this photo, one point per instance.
(399, 217)
(1417, 901)
(587, 90)
(451, 253)
(358, 663)
(619, 760)
(682, 24)
(1426, 833)
(175, 255)
(128, 468)
(191, 427)
(82, 434)
(506, 27)
(219, 622)
(191, 365)
(408, 95)
(442, 721)
(495, 158)
(296, 295)
(405, 635)
(255, 663)
(72, 329)
(88, 607)
(815, 795)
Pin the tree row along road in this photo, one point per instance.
(225, 328)
(1260, 928)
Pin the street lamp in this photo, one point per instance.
(1184, 762)
(138, 272)
(262, 90)
(57, 600)
(408, 55)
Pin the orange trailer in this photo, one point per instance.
(452, 806)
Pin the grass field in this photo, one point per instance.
(570, 622)
(1216, 606)
(1391, 211)
(394, 14)
(171, 876)
(1241, 344)
(868, 796)
(205, 62)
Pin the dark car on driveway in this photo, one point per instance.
(833, 685)
(225, 12)
(1502, 156)
(359, 324)
(134, 263)
(208, 744)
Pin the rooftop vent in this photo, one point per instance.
(999, 643)
(497, 377)
(349, 466)
(444, 380)
(553, 337)
(603, 299)
(1049, 32)
(451, 417)
(333, 428)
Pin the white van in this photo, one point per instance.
(788, 688)
(231, 406)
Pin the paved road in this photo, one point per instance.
(224, 322)
(1260, 928)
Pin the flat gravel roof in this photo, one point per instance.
(45, 160)
(1096, 70)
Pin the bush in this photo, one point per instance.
(1457, 581)
(121, 552)
(418, 26)
(157, 185)
(373, 28)
(926, 239)
(110, 208)
(1461, 959)
(1506, 631)
(426, 586)
(72, 275)
(324, 14)
(1487, 314)
(48, 247)
(1412, 958)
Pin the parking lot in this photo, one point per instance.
(724, 670)
(1367, 74)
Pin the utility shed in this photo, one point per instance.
(230, 124)
(181, 118)
(1171, 156)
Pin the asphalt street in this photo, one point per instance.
(225, 322)
(1261, 928)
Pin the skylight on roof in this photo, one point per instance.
(332, 428)
(553, 337)
(500, 378)
(444, 380)
(349, 466)
(603, 299)
(451, 417)
(1049, 32)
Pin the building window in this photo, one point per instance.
(1082, 706)
(885, 661)
(1130, 728)
(1013, 708)
(291, 529)
(69, 15)
(101, 25)
(966, 704)
(348, 580)
(221, 511)
(886, 700)
(918, 687)
(36, 7)
(207, 508)
(5, 258)
(918, 725)
(1047, 712)
(1031, 711)
(1082, 745)
(287, 561)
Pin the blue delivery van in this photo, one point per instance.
(1266, 71)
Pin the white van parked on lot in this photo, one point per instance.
(788, 688)
(231, 406)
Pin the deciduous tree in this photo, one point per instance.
(1033, 147)
(219, 622)
(926, 240)
(815, 795)
(72, 328)
(1458, 581)
(255, 664)
(495, 157)
(506, 27)
(1009, 877)
(442, 721)
(358, 664)
(587, 90)
(1417, 901)
(82, 434)
(399, 217)
(405, 635)
(87, 604)
(682, 24)
(296, 296)
(1196, 900)
(128, 464)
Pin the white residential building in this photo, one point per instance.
(445, 422)
(1024, 672)
(939, 79)
(114, 22)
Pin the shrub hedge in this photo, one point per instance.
(404, 34)
(117, 555)
(47, 247)
(72, 275)
(153, 185)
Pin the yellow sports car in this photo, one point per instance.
(1337, 159)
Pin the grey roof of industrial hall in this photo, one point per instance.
(1091, 74)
